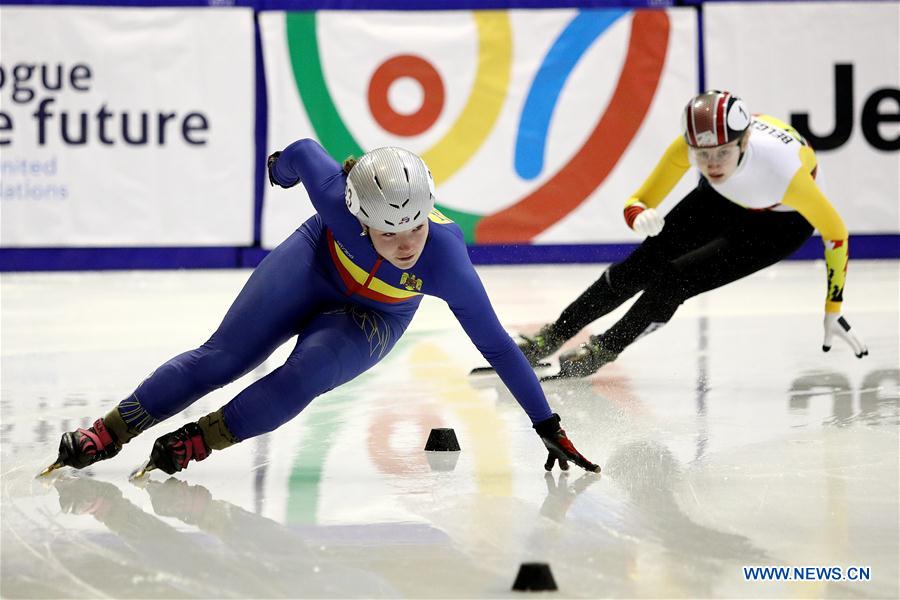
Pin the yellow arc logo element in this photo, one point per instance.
(480, 113)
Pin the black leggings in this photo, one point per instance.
(707, 241)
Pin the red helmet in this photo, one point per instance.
(714, 118)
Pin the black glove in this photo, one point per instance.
(560, 447)
(270, 166)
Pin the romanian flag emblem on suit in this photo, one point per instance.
(411, 282)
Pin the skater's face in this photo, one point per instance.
(719, 163)
(401, 249)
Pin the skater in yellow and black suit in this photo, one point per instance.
(756, 203)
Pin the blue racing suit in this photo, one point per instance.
(348, 306)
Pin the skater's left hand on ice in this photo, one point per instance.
(560, 447)
(837, 325)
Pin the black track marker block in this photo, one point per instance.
(442, 440)
(534, 577)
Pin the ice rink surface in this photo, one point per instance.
(727, 439)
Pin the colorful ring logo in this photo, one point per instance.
(566, 189)
(432, 86)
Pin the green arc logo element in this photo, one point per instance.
(482, 109)
(307, 66)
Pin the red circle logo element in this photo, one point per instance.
(406, 65)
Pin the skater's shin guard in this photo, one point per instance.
(133, 416)
(215, 431)
(120, 430)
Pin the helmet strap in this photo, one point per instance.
(741, 144)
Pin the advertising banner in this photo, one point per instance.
(126, 127)
(537, 125)
(832, 70)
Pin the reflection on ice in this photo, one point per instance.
(726, 439)
(650, 474)
(876, 401)
(231, 549)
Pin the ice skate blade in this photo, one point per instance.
(561, 375)
(490, 370)
(51, 468)
(141, 471)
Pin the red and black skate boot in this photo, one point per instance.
(83, 447)
(172, 452)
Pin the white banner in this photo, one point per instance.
(833, 71)
(537, 125)
(126, 126)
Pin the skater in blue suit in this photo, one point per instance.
(347, 284)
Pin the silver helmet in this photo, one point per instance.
(390, 189)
